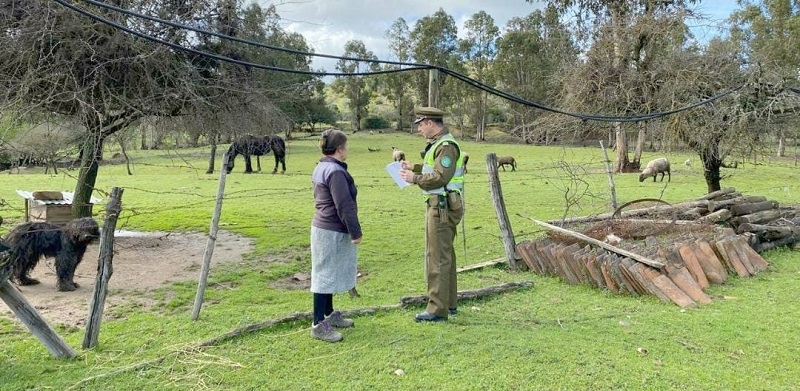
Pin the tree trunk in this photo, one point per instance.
(711, 165)
(781, 141)
(212, 158)
(87, 176)
(640, 140)
(622, 162)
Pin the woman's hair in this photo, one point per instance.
(331, 140)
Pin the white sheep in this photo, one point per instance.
(688, 162)
(503, 160)
(654, 167)
(398, 155)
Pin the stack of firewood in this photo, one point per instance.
(679, 275)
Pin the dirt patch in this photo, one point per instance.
(142, 262)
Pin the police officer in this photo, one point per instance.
(441, 178)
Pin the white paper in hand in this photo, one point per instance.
(393, 169)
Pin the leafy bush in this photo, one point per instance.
(375, 123)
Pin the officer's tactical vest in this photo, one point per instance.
(457, 182)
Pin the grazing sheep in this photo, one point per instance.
(688, 162)
(654, 167)
(503, 160)
(466, 160)
(398, 155)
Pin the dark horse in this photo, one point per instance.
(257, 146)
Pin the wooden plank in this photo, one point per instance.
(733, 264)
(605, 268)
(758, 262)
(730, 246)
(604, 245)
(675, 294)
(689, 257)
(481, 265)
(712, 267)
(683, 279)
(625, 285)
(594, 270)
(645, 275)
(625, 267)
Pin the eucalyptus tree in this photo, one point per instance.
(770, 31)
(621, 74)
(533, 57)
(434, 41)
(356, 89)
(396, 86)
(479, 48)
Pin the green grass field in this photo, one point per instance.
(550, 337)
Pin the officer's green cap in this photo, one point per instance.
(423, 113)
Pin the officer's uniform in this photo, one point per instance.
(441, 178)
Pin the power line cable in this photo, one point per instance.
(411, 66)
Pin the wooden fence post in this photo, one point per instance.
(212, 240)
(104, 269)
(500, 210)
(36, 324)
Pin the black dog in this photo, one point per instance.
(66, 242)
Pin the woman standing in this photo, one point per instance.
(335, 234)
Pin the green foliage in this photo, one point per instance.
(376, 123)
(552, 336)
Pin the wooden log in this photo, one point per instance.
(731, 262)
(718, 193)
(715, 217)
(688, 255)
(36, 324)
(764, 246)
(604, 245)
(715, 205)
(740, 209)
(683, 279)
(756, 218)
(632, 213)
(692, 213)
(468, 294)
(712, 267)
(768, 232)
(759, 263)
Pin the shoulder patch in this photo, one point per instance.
(446, 162)
(445, 143)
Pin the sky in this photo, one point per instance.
(328, 24)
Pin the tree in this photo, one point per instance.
(479, 48)
(355, 88)
(395, 86)
(532, 61)
(621, 71)
(770, 29)
(434, 41)
(56, 60)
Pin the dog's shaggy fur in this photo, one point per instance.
(67, 243)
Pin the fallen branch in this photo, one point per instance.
(480, 265)
(625, 253)
(404, 302)
(469, 294)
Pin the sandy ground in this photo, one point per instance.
(142, 262)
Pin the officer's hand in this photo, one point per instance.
(407, 176)
(407, 165)
(356, 241)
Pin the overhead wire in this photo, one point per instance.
(409, 66)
